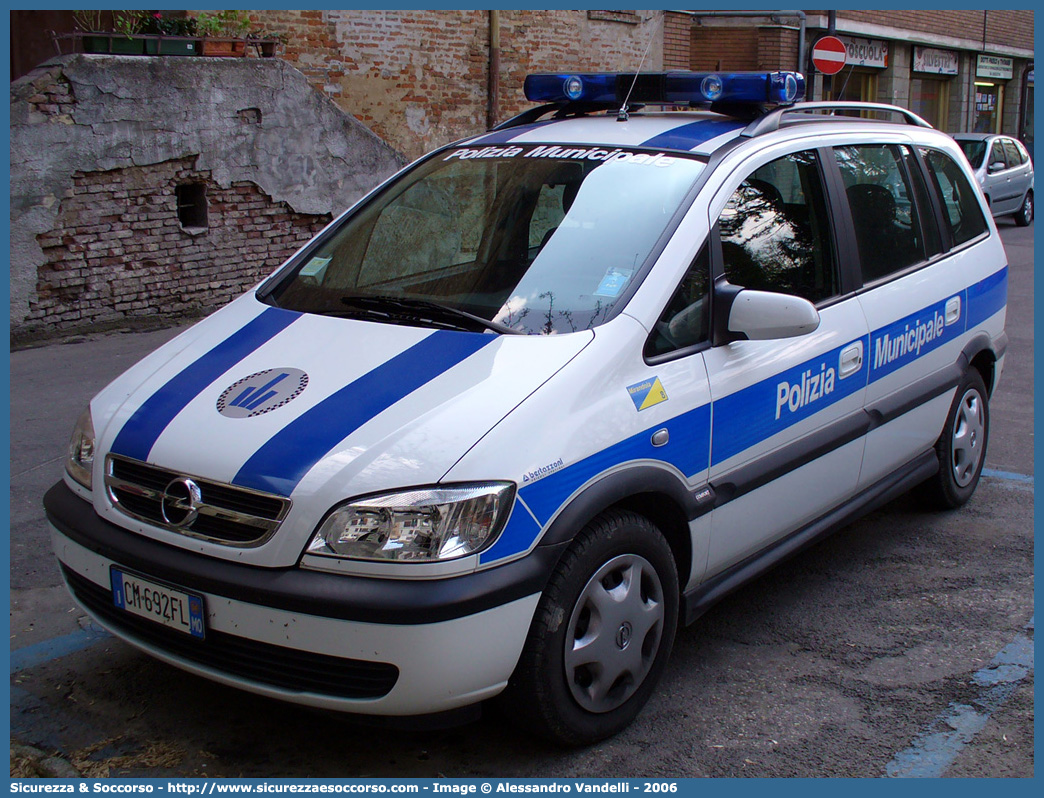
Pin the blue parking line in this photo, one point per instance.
(989, 472)
(55, 648)
(932, 753)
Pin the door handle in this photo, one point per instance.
(953, 309)
(851, 359)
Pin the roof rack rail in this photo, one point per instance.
(772, 120)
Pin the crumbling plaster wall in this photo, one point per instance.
(126, 111)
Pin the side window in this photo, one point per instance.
(775, 231)
(997, 155)
(881, 196)
(1012, 153)
(686, 319)
(961, 207)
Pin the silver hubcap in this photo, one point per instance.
(614, 633)
(968, 429)
(1027, 207)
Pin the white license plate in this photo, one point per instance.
(160, 603)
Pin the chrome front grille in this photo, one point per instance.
(193, 506)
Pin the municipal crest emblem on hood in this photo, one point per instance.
(262, 392)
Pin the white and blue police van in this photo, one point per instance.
(543, 396)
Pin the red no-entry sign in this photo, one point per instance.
(829, 55)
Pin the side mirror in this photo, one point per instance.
(765, 315)
(997, 166)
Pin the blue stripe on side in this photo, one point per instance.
(517, 537)
(687, 451)
(281, 463)
(904, 341)
(757, 412)
(686, 137)
(987, 297)
(143, 429)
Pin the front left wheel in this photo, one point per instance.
(602, 633)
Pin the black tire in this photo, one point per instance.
(962, 446)
(623, 559)
(1025, 213)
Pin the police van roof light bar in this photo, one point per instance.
(667, 88)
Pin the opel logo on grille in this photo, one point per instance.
(181, 502)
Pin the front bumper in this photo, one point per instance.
(372, 646)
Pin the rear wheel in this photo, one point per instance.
(962, 446)
(601, 635)
(1025, 213)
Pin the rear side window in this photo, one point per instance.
(775, 232)
(960, 206)
(880, 188)
(974, 151)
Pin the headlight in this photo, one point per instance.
(80, 461)
(422, 525)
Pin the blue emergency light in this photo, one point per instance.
(667, 88)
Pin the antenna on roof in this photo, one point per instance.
(621, 115)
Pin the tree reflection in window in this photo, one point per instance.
(774, 231)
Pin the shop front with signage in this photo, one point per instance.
(932, 71)
(992, 72)
(865, 60)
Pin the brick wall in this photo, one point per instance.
(118, 250)
(1004, 27)
(676, 41)
(419, 79)
(777, 49)
(714, 48)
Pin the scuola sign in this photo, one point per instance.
(866, 52)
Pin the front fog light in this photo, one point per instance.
(422, 525)
(80, 460)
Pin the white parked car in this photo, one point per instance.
(1004, 169)
(543, 396)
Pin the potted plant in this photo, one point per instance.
(265, 42)
(127, 24)
(98, 35)
(183, 29)
(224, 32)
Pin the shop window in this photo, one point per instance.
(930, 99)
(989, 99)
(852, 85)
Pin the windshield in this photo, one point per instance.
(974, 151)
(532, 239)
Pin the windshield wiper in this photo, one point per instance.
(424, 310)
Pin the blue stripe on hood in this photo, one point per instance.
(686, 137)
(283, 461)
(142, 430)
